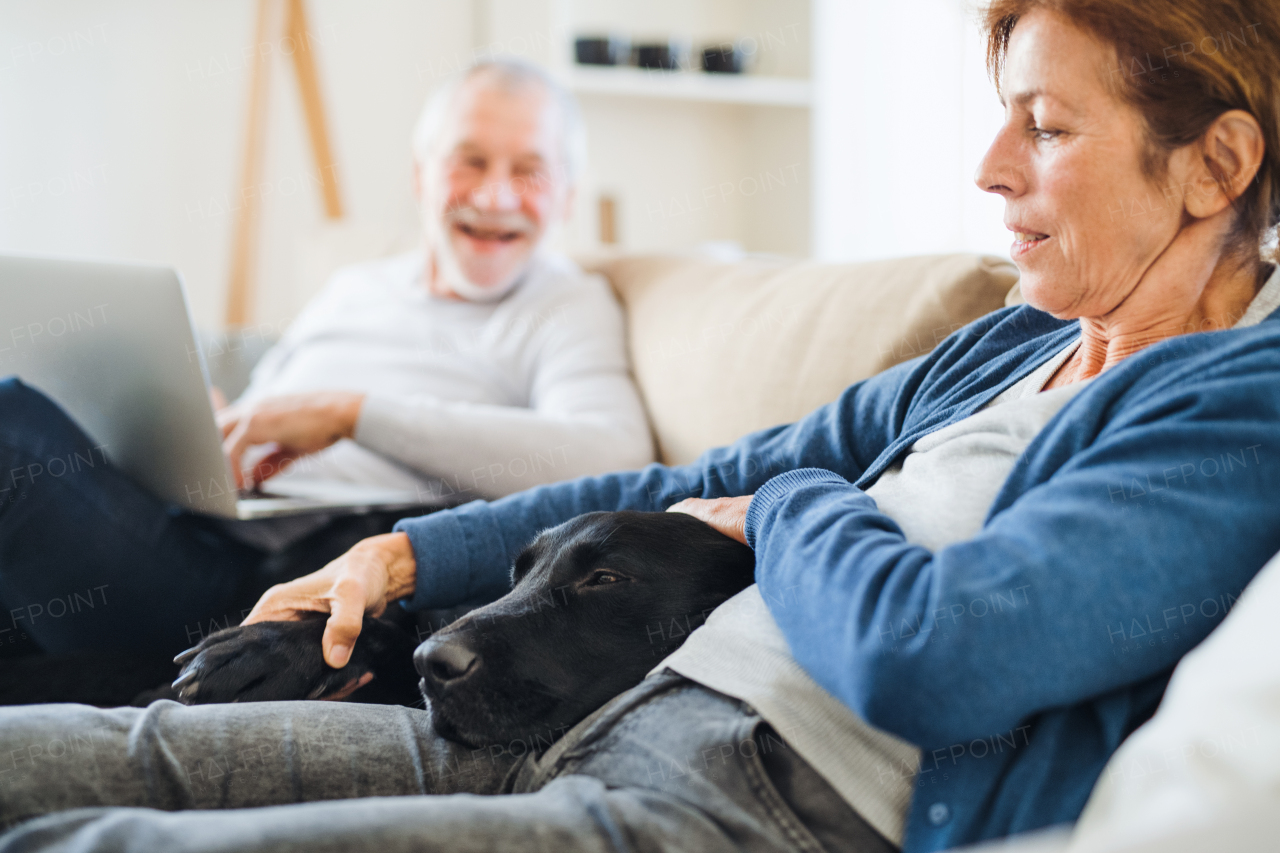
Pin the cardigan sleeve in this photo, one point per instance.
(465, 554)
(1123, 534)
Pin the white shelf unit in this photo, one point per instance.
(747, 89)
(687, 157)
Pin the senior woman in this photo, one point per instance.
(974, 575)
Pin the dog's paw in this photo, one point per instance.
(265, 662)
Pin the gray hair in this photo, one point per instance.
(508, 74)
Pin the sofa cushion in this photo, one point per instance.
(722, 349)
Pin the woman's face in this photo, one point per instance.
(1068, 162)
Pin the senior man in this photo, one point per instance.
(481, 366)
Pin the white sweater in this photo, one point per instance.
(465, 400)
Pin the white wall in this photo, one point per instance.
(682, 174)
(903, 113)
(121, 128)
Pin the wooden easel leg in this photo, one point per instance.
(276, 18)
(240, 287)
(313, 107)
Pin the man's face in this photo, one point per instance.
(497, 184)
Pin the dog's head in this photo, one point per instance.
(596, 603)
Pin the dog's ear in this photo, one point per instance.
(729, 564)
(524, 562)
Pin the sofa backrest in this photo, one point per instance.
(721, 349)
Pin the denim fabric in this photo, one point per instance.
(668, 765)
(88, 559)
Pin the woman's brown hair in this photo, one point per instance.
(1181, 64)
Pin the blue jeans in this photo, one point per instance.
(91, 561)
(668, 765)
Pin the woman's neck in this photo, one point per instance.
(1134, 326)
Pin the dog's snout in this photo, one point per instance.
(446, 659)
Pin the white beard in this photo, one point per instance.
(452, 276)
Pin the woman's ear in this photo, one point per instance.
(1216, 169)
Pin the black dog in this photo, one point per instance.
(595, 604)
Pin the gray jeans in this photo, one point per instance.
(668, 765)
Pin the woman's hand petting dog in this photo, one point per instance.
(374, 573)
(725, 515)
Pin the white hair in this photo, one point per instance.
(508, 74)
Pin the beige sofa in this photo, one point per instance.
(721, 349)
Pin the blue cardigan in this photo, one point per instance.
(1017, 660)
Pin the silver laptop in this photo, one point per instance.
(113, 344)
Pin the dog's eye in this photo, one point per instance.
(603, 577)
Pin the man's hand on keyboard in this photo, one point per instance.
(297, 424)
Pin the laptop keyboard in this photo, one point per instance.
(255, 492)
